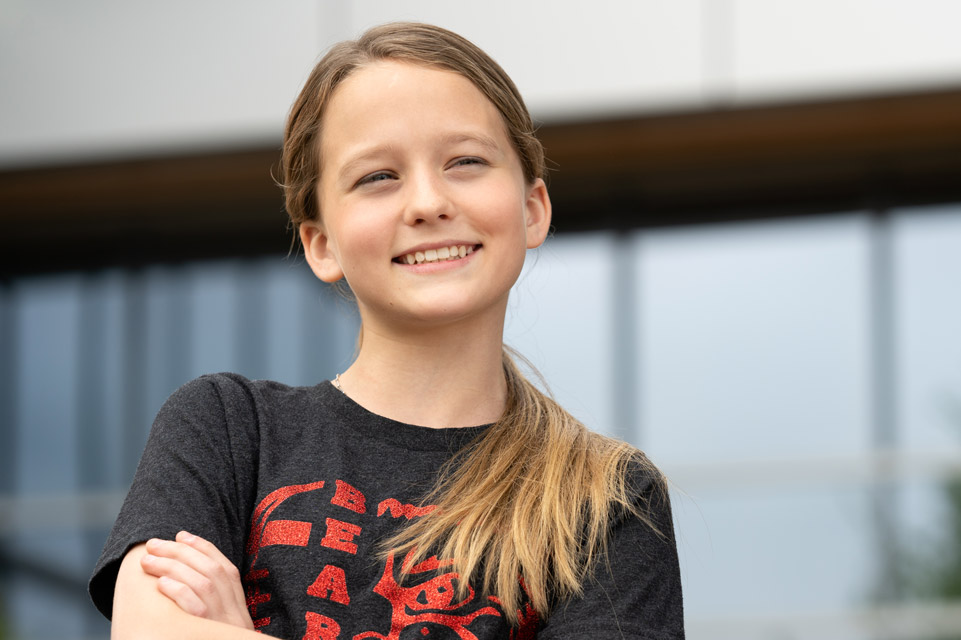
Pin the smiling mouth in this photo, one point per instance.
(443, 254)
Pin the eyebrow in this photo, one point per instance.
(367, 154)
(482, 139)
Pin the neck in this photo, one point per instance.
(448, 376)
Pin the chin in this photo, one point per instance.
(452, 313)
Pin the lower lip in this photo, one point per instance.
(439, 266)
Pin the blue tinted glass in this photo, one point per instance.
(753, 340)
(928, 292)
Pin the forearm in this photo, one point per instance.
(141, 612)
(180, 627)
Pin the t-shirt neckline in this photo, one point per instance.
(373, 425)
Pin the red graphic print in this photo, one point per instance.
(348, 497)
(332, 583)
(320, 627)
(256, 597)
(340, 535)
(431, 602)
(263, 534)
(528, 620)
(289, 532)
(398, 510)
(528, 623)
(416, 609)
(273, 500)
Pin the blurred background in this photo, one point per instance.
(755, 274)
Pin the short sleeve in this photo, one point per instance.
(636, 593)
(187, 478)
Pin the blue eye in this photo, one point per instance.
(380, 176)
(463, 162)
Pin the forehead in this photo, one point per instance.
(395, 103)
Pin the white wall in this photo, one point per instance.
(109, 77)
(783, 49)
(115, 76)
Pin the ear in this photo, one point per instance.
(319, 253)
(538, 214)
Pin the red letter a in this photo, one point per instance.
(331, 583)
(320, 627)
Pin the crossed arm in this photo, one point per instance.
(183, 589)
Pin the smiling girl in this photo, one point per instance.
(429, 490)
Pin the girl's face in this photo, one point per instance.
(425, 209)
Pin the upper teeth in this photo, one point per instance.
(453, 252)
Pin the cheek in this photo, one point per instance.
(511, 222)
(360, 236)
(501, 205)
(504, 217)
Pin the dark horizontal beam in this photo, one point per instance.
(758, 162)
(141, 211)
(655, 170)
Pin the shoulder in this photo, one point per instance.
(224, 386)
(650, 504)
(637, 492)
(634, 587)
(629, 472)
(645, 480)
(212, 392)
(233, 394)
(228, 418)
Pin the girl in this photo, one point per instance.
(429, 490)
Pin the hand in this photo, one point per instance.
(198, 578)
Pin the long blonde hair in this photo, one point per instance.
(535, 496)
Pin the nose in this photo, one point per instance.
(427, 199)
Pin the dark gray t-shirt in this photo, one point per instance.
(296, 485)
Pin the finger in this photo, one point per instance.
(183, 596)
(228, 575)
(215, 587)
(204, 546)
(186, 554)
(159, 566)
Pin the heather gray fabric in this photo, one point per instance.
(297, 484)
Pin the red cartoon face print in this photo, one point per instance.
(419, 610)
(318, 530)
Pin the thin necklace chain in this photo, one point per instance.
(336, 383)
